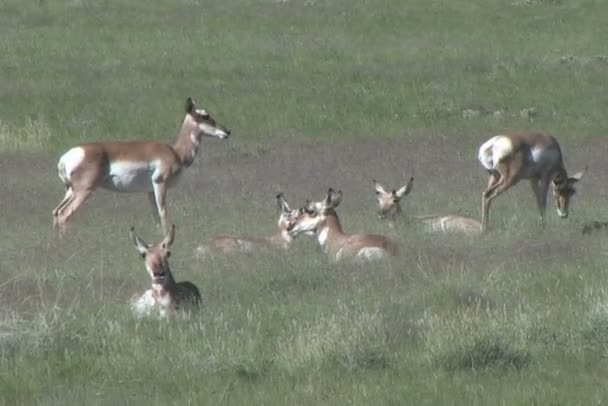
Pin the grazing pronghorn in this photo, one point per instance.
(280, 240)
(166, 296)
(528, 155)
(320, 219)
(389, 207)
(133, 166)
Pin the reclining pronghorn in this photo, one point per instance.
(232, 244)
(320, 219)
(166, 296)
(133, 166)
(528, 155)
(389, 207)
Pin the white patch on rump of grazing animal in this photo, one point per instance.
(493, 150)
(69, 161)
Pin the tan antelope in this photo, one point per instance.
(389, 205)
(133, 166)
(527, 155)
(166, 296)
(321, 220)
(281, 240)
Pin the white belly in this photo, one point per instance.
(130, 176)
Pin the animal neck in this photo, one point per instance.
(560, 179)
(167, 286)
(187, 144)
(330, 235)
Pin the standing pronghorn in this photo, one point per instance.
(389, 207)
(320, 219)
(280, 240)
(166, 296)
(528, 155)
(133, 166)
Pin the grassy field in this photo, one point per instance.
(316, 93)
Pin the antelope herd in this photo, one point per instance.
(153, 167)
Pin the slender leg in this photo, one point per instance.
(543, 189)
(69, 193)
(70, 208)
(493, 183)
(160, 195)
(155, 211)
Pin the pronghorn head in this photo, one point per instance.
(205, 124)
(388, 202)
(156, 256)
(563, 190)
(312, 217)
(286, 214)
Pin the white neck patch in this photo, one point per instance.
(322, 237)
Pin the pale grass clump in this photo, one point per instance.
(34, 134)
(595, 327)
(477, 340)
(348, 337)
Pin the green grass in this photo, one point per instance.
(517, 317)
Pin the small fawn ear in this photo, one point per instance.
(405, 190)
(282, 203)
(166, 243)
(380, 188)
(577, 176)
(190, 105)
(140, 244)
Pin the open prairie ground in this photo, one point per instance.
(317, 94)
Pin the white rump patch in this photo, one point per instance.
(69, 162)
(494, 150)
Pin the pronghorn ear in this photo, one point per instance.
(190, 105)
(336, 198)
(282, 203)
(577, 176)
(380, 189)
(327, 201)
(405, 190)
(169, 237)
(140, 244)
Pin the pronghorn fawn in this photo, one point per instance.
(133, 166)
(321, 220)
(527, 155)
(389, 207)
(281, 240)
(166, 295)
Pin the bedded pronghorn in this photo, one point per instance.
(320, 219)
(166, 296)
(389, 207)
(528, 155)
(232, 244)
(133, 166)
